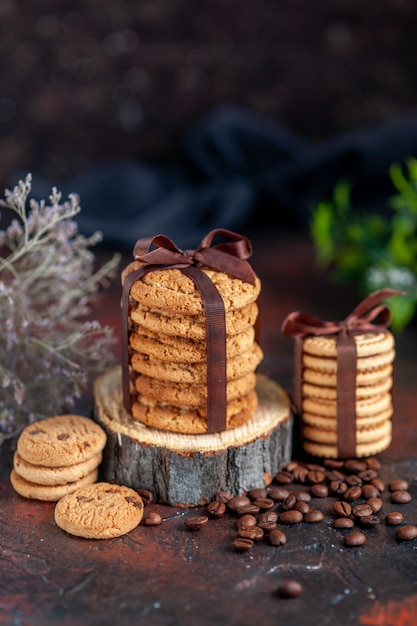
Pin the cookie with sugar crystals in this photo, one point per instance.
(180, 350)
(310, 390)
(191, 420)
(50, 493)
(61, 440)
(330, 451)
(42, 475)
(187, 394)
(100, 511)
(195, 372)
(171, 290)
(191, 326)
(366, 407)
(367, 344)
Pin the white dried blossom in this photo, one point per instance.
(48, 279)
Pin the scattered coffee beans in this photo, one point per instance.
(400, 497)
(394, 518)
(277, 538)
(355, 538)
(196, 522)
(406, 533)
(289, 589)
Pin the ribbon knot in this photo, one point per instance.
(230, 256)
(370, 316)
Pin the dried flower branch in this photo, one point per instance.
(48, 351)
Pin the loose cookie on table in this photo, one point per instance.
(100, 511)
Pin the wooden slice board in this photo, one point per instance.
(188, 470)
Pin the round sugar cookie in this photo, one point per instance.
(363, 435)
(192, 421)
(328, 364)
(100, 511)
(330, 423)
(187, 394)
(180, 350)
(367, 344)
(366, 407)
(50, 493)
(330, 451)
(42, 475)
(310, 390)
(195, 372)
(191, 326)
(171, 290)
(365, 377)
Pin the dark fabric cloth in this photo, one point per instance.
(236, 171)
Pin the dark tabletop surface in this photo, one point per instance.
(168, 575)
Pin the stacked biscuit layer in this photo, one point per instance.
(56, 456)
(374, 367)
(168, 350)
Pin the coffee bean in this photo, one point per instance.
(368, 475)
(334, 475)
(247, 509)
(278, 494)
(316, 476)
(336, 464)
(343, 522)
(379, 484)
(290, 517)
(338, 487)
(406, 533)
(354, 466)
(223, 496)
(146, 495)
(304, 507)
(398, 484)
(362, 510)
(300, 474)
(370, 491)
(302, 496)
(313, 516)
(289, 502)
(355, 538)
(264, 504)
(319, 490)
(352, 493)
(245, 521)
(268, 520)
(196, 522)
(276, 537)
(369, 521)
(242, 544)
(354, 481)
(216, 509)
(375, 503)
(237, 501)
(255, 533)
(400, 497)
(342, 509)
(254, 494)
(289, 589)
(394, 518)
(151, 518)
(283, 477)
(373, 463)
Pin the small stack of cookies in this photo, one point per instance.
(56, 456)
(168, 350)
(374, 369)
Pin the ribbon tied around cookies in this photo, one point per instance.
(370, 316)
(230, 256)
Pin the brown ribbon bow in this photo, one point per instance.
(159, 252)
(369, 316)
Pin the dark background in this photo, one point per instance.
(86, 82)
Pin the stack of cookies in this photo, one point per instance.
(168, 350)
(374, 368)
(56, 456)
